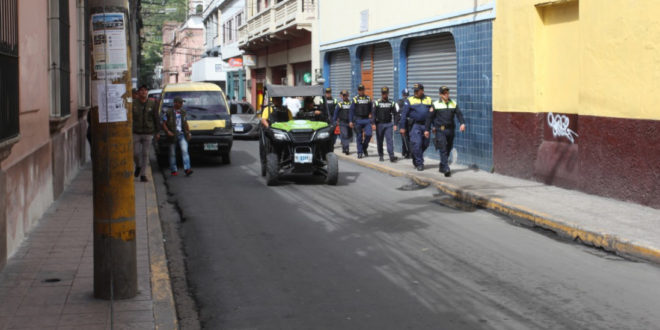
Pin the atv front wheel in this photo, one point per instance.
(272, 168)
(333, 168)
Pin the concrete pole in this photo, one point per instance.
(115, 258)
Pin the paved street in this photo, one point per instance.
(371, 253)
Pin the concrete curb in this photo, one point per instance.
(562, 227)
(161, 287)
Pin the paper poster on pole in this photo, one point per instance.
(111, 103)
(109, 45)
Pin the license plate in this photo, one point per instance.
(303, 158)
(238, 128)
(210, 146)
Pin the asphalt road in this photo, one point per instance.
(367, 255)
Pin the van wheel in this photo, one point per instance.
(272, 168)
(333, 169)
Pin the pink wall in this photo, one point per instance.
(182, 50)
(42, 162)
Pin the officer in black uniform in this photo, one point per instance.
(361, 121)
(417, 108)
(329, 105)
(405, 138)
(341, 117)
(384, 114)
(442, 119)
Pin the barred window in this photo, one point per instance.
(8, 69)
(59, 68)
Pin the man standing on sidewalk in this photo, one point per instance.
(145, 122)
(329, 104)
(417, 107)
(405, 138)
(176, 127)
(442, 119)
(341, 118)
(359, 117)
(384, 113)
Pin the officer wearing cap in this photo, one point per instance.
(329, 105)
(176, 127)
(417, 108)
(361, 109)
(405, 138)
(384, 115)
(341, 117)
(442, 119)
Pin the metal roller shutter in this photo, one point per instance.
(340, 72)
(432, 62)
(383, 70)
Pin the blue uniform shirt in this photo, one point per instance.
(417, 109)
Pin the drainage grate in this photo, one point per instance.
(51, 280)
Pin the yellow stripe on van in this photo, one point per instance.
(205, 125)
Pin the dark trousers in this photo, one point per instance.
(444, 140)
(418, 144)
(362, 125)
(384, 132)
(346, 135)
(405, 141)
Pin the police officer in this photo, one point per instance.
(442, 120)
(329, 105)
(384, 114)
(341, 117)
(417, 107)
(405, 138)
(361, 121)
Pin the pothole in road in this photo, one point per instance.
(412, 186)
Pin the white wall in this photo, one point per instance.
(229, 11)
(209, 69)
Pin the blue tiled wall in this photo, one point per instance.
(474, 59)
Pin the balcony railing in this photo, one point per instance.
(278, 17)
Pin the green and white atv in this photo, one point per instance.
(297, 146)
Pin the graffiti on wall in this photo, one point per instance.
(559, 125)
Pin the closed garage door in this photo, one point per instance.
(432, 62)
(383, 69)
(340, 72)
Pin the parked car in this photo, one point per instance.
(244, 120)
(208, 117)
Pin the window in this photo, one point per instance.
(239, 19)
(230, 30)
(59, 69)
(8, 69)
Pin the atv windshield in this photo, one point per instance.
(200, 105)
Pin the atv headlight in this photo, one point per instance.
(280, 136)
(322, 135)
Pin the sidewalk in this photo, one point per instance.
(624, 228)
(48, 282)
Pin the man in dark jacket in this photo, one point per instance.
(176, 127)
(145, 124)
(442, 119)
(384, 115)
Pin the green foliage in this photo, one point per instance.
(154, 13)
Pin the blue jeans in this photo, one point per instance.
(183, 144)
(360, 126)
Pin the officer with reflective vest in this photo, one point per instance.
(405, 138)
(329, 105)
(361, 121)
(443, 123)
(275, 113)
(417, 108)
(384, 115)
(341, 117)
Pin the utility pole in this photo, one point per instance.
(115, 256)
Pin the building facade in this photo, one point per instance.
(277, 38)
(433, 42)
(182, 46)
(45, 99)
(232, 16)
(574, 103)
